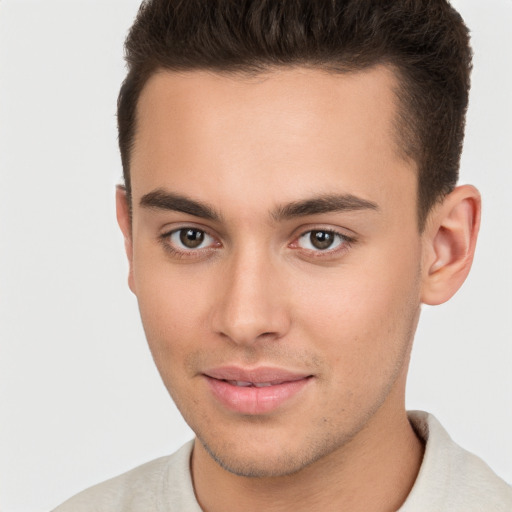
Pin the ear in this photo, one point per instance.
(449, 244)
(125, 223)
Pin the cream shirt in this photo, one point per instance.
(450, 480)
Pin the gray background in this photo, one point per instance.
(80, 399)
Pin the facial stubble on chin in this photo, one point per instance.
(316, 449)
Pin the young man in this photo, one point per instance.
(290, 201)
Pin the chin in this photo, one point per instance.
(267, 459)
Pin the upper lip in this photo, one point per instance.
(262, 374)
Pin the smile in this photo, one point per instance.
(244, 384)
(254, 392)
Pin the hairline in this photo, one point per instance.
(407, 144)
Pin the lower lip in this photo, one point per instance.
(253, 400)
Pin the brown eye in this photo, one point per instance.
(191, 238)
(321, 240)
(189, 241)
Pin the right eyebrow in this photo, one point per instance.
(163, 200)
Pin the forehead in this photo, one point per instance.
(276, 133)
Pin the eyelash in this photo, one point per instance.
(345, 243)
(164, 239)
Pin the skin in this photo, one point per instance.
(257, 293)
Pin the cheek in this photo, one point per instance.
(171, 316)
(363, 315)
(171, 304)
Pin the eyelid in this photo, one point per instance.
(168, 229)
(345, 233)
(164, 240)
(347, 240)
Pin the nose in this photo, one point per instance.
(251, 303)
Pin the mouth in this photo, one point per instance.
(256, 391)
(243, 384)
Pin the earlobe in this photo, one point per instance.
(125, 224)
(450, 240)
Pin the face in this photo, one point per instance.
(275, 256)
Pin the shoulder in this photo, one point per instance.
(151, 486)
(451, 478)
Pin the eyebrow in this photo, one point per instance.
(323, 204)
(162, 200)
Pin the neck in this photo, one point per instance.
(374, 472)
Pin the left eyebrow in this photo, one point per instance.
(322, 204)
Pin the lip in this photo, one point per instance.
(263, 389)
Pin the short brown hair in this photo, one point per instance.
(424, 41)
